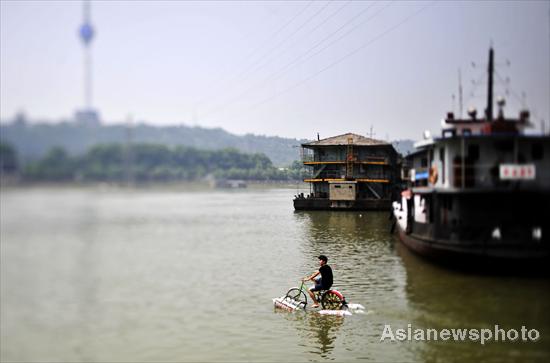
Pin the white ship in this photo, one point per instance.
(479, 191)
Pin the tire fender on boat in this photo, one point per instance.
(432, 178)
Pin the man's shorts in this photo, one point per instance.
(318, 285)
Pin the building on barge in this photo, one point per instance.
(349, 172)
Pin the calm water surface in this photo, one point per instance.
(90, 274)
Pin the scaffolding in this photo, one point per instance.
(349, 159)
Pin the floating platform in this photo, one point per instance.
(289, 304)
(352, 205)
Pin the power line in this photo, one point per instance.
(331, 43)
(271, 59)
(474, 86)
(520, 100)
(347, 55)
(267, 40)
(300, 59)
(290, 36)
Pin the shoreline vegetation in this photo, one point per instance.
(174, 186)
(34, 138)
(140, 164)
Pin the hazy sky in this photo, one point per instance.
(275, 68)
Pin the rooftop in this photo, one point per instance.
(357, 140)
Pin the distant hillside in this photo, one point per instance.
(32, 141)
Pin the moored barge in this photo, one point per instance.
(349, 172)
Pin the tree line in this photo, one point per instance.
(33, 139)
(146, 162)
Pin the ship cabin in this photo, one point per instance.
(480, 180)
(480, 155)
(349, 172)
(479, 191)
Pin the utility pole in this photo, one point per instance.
(371, 133)
(459, 94)
(490, 68)
(128, 152)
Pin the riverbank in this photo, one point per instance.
(6, 184)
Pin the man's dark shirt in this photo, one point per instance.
(326, 276)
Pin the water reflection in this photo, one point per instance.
(366, 270)
(445, 298)
(324, 331)
(330, 226)
(315, 331)
(86, 279)
(373, 268)
(172, 276)
(360, 250)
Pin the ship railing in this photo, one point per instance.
(373, 159)
(331, 174)
(335, 174)
(467, 176)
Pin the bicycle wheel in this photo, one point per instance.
(297, 295)
(332, 300)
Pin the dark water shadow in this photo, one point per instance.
(444, 298)
(317, 333)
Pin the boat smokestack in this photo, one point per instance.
(489, 110)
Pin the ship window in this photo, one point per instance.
(350, 187)
(337, 186)
(424, 162)
(537, 152)
(473, 152)
(448, 133)
(442, 159)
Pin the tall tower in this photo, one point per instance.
(88, 115)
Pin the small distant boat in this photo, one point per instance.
(479, 191)
(229, 184)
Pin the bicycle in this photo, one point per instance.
(330, 299)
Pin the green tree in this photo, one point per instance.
(57, 165)
(8, 159)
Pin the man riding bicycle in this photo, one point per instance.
(324, 282)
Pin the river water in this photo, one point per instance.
(167, 274)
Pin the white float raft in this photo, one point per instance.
(335, 312)
(355, 307)
(287, 303)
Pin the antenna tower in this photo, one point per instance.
(86, 33)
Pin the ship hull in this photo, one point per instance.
(447, 251)
(355, 205)
(482, 230)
